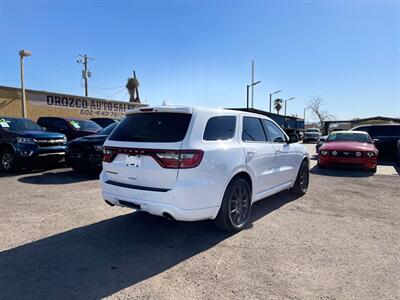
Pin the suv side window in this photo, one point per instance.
(253, 130)
(274, 133)
(220, 128)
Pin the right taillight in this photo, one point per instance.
(181, 159)
(190, 158)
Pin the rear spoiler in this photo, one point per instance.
(170, 109)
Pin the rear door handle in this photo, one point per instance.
(250, 153)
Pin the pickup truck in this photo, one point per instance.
(23, 142)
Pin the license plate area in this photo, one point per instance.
(134, 161)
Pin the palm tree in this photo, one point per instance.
(132, 86)
(278, 104)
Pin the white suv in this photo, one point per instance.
(192, 164)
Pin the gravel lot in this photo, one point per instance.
(59, 240)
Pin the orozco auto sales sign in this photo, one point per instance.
(86, 106)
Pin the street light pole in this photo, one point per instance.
(247, 97)
(285, 107)
(286, 103)
(22, 54)
(247, 91)
(270, 99)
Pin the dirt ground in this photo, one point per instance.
(59, 240)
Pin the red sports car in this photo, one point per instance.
(353, 148)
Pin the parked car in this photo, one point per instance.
(301, 135)
(86, 153)
(71, 127)
(398, 152)
(23, 142)
(385, 138)
(337, 129)
(191, 164)
(104, 122)
(312, 134)
(350, 148)
(320, 142)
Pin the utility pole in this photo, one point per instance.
(137, 89)
(85, 73)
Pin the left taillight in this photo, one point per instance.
(108, 155)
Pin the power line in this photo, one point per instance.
(116, 92)
(108, 88)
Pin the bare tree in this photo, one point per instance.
(316, 105)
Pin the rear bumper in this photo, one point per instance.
(311, 138)
(89, 161)
(363, 162)
(177, 202)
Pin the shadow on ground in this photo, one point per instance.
(97, 260)
(340, 171)
(63, 177)
(35, 169)
(350, 171)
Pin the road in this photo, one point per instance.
(59, 240)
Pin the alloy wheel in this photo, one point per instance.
(6, 161)
(304, 178)
(239, 205)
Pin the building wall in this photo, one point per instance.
(43, 103)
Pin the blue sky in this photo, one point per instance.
(200, 52)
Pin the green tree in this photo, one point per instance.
(278, 105)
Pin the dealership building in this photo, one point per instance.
(43, 103)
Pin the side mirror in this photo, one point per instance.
(293, 138)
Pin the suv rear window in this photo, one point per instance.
(155, 127)
(220, 128)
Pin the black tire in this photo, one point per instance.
(78, 168)
(8, 162)
(373, 170)
(303, 178)
(238, 194)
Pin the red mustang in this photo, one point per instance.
(354, 148)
